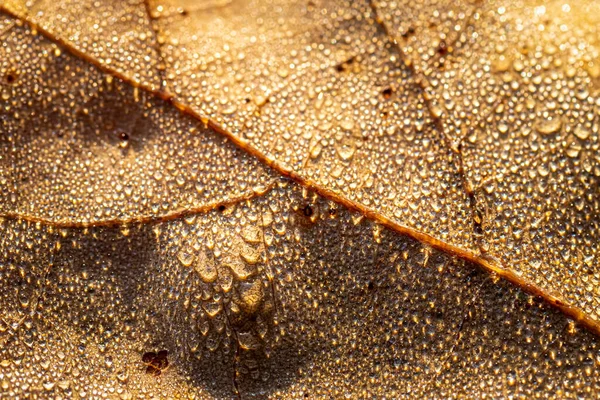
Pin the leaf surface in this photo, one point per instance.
(151, 246)
(518, 89)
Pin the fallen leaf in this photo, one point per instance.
(191, 179)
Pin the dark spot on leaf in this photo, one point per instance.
(306, 215)
(442, 48)
(387, 93)
(343, 66)
(156, 362)
(10, 78)
(221, 208)
(162, 358)
(409, 32)
(472, 274)
(148, 357)
(308, 211)
(123, 136)
(370, 285)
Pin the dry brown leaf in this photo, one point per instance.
(145, 254)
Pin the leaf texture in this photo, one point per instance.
(525, 111)
(148, 252)
(263, 300)
(81, 147)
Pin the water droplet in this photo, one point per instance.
(248, 341)
(252, 294)
(345, 151)
(316, 151)
(347, 124)
(581, 132)
(501, 64)
(502, 128)
(283, 72)
(185, 258)
(436, 111)
(511, 379)
(240, 269)
(549, 126)
(573, 150)
(205, 267)
(212, 308)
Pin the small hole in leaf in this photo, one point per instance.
(387, 93)
(123, 136)
(221, 208)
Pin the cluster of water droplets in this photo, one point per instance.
(321, 91)
(286, 295)
(274, 291)
(519, 92)
(90, 148)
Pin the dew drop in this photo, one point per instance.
(573, 150)
(347, 124)
(316, 151)
(548, 126)
(581, 132)
(346, 152)
(206, 268)
(185, 258)
(502, 128)
(252, 295)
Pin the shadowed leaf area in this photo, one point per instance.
(299, 199)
